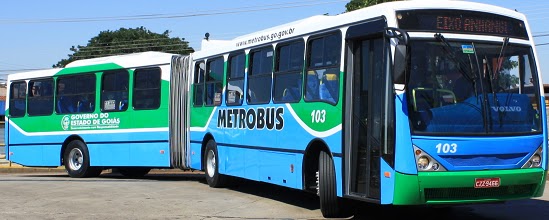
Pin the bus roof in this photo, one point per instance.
(33, 74)
(323, 22)
(127, 60)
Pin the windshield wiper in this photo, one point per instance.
(452, 54)
(502, 51)
(472, 79)
(493, 88)
(492, 73)
(485, 103)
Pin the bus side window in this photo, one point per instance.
(17, 99)
(214, 81)
(64, 97)
(40, 100)
(235, 79)
(329, 88)
(323, 58)
(312, 89)
(260, 72)
(114, 85)
(146, 90)
(288, 75)
(198, 83)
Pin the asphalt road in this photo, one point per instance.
(187, 196)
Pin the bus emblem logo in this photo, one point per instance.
(65, 122)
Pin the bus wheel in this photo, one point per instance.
(77, 161)
(326, 184)
(213, 177)
(134, 172)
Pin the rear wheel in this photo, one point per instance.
(213, 177)
(327, 186)
(77, 161)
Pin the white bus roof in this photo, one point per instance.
(323, 22)
(127, 60)
(33, 74)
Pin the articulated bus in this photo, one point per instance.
(402, 103)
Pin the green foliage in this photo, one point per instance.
(125, 41)
(507, 80)
(358, 4)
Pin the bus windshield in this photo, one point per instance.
(472, 88)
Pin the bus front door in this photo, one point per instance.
(365, 64)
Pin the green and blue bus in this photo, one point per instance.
(401, 103)
(91, 115)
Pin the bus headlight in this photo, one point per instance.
(535, 160)
(425, 162)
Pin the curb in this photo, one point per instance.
(18, 169)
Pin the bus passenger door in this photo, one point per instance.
(365, 95)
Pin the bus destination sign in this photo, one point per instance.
(455, 21)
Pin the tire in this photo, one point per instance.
(211, 166)
(134, 172)
(327, 187)
(77, 161)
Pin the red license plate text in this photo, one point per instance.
(487, 182)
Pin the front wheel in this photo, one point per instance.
(77, 161)
(213, 177)
(327, 186)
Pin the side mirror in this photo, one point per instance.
(400, 62)
(401, 53)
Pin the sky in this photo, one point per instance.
(36, 34)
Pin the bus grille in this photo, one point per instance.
(515, 191)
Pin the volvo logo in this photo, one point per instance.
(507, 109)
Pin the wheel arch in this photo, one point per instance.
(205, 140)
(66, 143)
(310, 163)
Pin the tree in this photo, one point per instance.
(124, 41)
(358, 4)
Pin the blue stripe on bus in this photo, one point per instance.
(98, 142)
(265, 148)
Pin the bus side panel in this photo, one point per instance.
(241, 162)
(404, 152)
(277, 168)
(387, 183)
(150, 154)
(37, 151)
(233, 160)
(113, 155)
(36, 155)
(251, 159)
(135, 154)
(196, 156)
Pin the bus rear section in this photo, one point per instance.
(94, 114)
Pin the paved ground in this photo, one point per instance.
(187, 196)
(179, 196)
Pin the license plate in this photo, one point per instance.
(487, 182)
